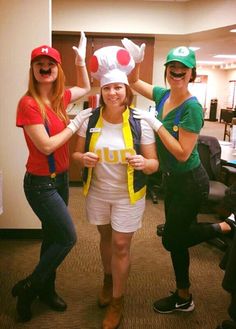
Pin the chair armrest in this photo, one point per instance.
(228, 174)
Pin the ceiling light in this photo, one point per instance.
(194, 48)
(225, 56)
(210, 62)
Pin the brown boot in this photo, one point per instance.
(105, 296)
(114, 313)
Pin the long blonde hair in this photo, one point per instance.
(57, 100)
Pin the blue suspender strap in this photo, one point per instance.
(51, 160)
(176, 121)
(177, 115)
(175, 128)
(162, 101)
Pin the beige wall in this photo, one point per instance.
(149, 17)
(23, 26)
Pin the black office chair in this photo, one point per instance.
(210, 154)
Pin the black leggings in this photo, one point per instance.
(184, 194)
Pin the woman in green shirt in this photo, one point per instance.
(177, 126)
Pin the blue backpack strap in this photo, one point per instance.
(51, 160)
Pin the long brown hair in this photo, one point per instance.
(57, 100)
(128, 99)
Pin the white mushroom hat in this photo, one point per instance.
(111, 64)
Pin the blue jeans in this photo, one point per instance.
(48, 197)
(184, 195)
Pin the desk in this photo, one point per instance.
(228, 154)
(227, 114)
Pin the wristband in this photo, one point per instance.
(72, 127)
(157, 125)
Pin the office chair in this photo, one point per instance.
(228, 117)
(210, 154)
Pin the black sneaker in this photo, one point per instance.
(173, 303)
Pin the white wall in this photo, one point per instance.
(23, 26)
(116, 16)
(149, 17)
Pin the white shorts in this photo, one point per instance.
(123, 216)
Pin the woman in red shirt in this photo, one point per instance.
(42, 115)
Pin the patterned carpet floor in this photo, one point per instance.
(80, 277)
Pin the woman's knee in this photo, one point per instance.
(70, 240)
(170, 242)
(121, 248)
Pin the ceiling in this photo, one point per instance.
(211, 43)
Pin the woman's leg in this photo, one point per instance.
(105, 232)
(120, 261)
(51, 209)
(181, 207)
(54, 215)
(105, 295)
(120, 265)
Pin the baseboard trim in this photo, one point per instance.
(21, 233)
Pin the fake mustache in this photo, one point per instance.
(177, 75)
(42, 71)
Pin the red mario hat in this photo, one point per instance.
(46, 51)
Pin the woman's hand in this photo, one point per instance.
(149, 117)
(136, 161)
(137, 52)
(75, 123)
(89, 159)
(80, 51)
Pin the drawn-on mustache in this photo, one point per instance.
(177, 75)
(42, 71)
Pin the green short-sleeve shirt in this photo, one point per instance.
(191, 119)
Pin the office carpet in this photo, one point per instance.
(80, 276)
(213, 128)
(151, 276)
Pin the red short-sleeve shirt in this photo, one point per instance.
(28, 113)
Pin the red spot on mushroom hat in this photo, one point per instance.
(111, 64)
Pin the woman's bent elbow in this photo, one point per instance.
(183, 158)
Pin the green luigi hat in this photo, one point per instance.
(183, 55)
